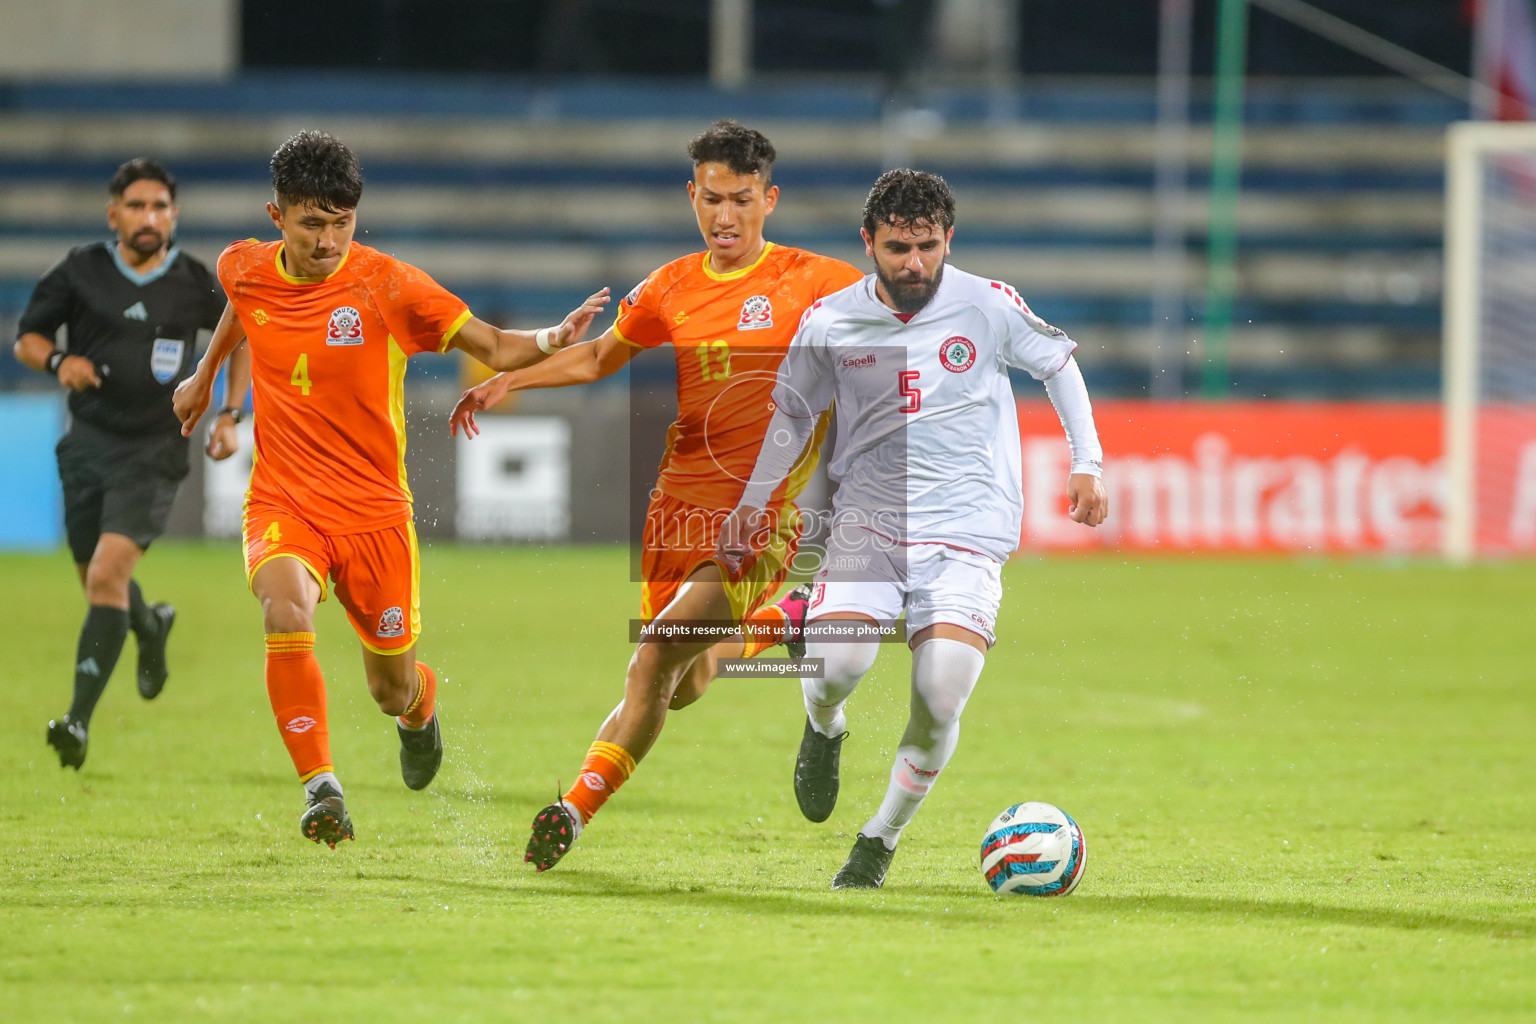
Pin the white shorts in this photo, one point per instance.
(931, 583)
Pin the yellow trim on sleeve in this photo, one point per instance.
(397, 360)
(620, 335)
(277, 261)
(463, 319)
(743, 272)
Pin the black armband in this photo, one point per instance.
(55, 357)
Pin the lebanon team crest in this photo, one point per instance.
(957, 354)
(346, 327)
(756, 313)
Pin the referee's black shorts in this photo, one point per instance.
(118, 483)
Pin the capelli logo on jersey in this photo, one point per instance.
(957, 354)
(391, 623)
(756, 313)
(345, 328)
(860, 362)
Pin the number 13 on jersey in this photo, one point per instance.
(722, 359)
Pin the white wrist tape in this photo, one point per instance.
(545, 340)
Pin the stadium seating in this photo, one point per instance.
(523, 199)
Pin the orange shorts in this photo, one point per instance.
(680, 537)
(377, 574)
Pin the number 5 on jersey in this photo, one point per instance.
(913, 395)
(300, 378)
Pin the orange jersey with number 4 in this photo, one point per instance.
(729, 333)
(328, 374)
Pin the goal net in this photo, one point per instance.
(1490, 340)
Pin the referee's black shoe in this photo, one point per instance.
(152, 670)
(69, 739)
(421, 753)
(866, 865)
(816, 773)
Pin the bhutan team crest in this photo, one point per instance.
(957, 354)
(345, 328)
(391, 623)
(756, 313)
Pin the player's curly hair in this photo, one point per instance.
(316, 169)
(744, 150)
(904, 197)
(140, 169)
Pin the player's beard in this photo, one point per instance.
(147, 242)
(910, 293)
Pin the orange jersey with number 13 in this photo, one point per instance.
(328, 373)
(729, 333)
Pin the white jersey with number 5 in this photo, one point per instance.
(927, 431)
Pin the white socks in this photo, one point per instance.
(316, 782)
(824, 698)
(944, 672)
(575, 813)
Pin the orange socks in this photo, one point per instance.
(762, 629)
(606, 768)
(297, 691)
(422, 708)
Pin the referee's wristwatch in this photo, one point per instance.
(233, 412)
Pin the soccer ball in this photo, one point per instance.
(1035, 849)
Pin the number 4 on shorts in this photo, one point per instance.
(273, 535)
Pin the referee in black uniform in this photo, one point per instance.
(133, 309)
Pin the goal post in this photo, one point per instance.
(1489, 353)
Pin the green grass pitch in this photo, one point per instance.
(1308, 790)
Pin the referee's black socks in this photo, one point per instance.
(140, 616)
(101, 641)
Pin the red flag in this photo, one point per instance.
(1504, 57)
